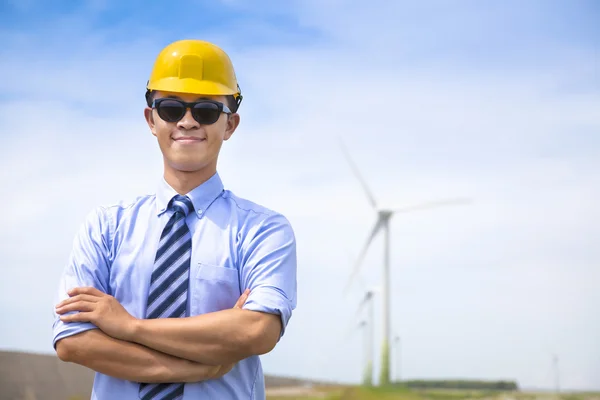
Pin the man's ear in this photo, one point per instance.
(149, 115)
(233, 121)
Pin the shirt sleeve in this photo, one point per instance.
(88, 265)
(269, 269)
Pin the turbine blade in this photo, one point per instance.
(433, 204)
(357, 264)
(352, 326)
(361, 279)
(364, 301)
(358, 175)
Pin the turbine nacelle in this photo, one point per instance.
(385, 214)
(368, 295)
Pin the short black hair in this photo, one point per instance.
(230, 99)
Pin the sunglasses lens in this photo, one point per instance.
(170, 110)
(206, 113)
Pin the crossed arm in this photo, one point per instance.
(96, 350)
(94, 330)
(165, 349)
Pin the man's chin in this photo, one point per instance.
(189, 166)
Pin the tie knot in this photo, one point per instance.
(182, 204)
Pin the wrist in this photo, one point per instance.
(133, 330)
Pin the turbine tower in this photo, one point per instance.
(556, 373)
(382, 223)
(368, 325)
(368, 361)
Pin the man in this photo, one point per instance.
(176, 294)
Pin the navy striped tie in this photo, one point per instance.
(167, 297)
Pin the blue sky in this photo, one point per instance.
(493, 100)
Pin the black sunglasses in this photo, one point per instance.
(206, 112)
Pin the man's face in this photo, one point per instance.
(188, 145)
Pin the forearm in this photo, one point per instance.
(216, 338)
(129, 361)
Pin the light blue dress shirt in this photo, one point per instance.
(236, 244)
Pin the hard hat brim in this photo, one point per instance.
(192, 86)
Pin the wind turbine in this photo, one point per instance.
(382, 223)
(398, 358)
(368, 361)
(556, 373)
(368, 324)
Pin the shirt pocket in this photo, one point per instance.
(214, 288)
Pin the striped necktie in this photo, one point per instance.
(167, 297)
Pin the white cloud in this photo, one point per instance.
(488, 290)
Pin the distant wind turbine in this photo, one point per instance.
(556, 373)
(382, 222)
(368, 324)
(366, 328)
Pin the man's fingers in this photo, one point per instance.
(79, 317)
(226, 368)
(242, 299)
(85, 290)
(76, 306)
(222, 370)
(215, 371)
(76, 298)
(238, 303)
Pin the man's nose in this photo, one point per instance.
(188, 121)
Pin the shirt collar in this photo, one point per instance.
(202, 196)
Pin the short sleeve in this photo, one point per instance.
(88, 265)
(269, 269)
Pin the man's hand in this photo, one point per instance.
(100, 309)
(242, 299)
(224, 369)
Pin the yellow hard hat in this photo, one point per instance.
(195, 67)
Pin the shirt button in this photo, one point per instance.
(199, 212)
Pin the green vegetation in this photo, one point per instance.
(462, 384)
(406, 393)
